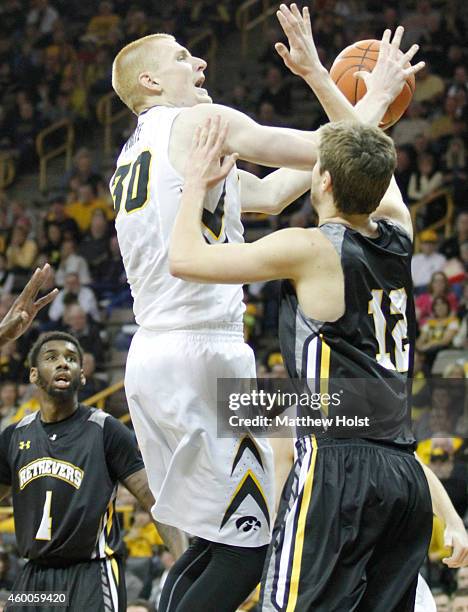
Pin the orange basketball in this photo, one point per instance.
(363, 56)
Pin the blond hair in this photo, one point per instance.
(361, 160)
(128, 64)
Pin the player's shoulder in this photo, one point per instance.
(194, 115)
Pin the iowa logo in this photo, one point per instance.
(248, 523)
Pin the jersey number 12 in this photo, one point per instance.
(395, 357)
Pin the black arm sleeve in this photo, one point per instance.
(122, 454)
(5, 471)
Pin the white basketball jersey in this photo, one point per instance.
(146, 190)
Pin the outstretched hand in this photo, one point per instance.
(26, 306)
(391, 70)
(206, 165)
(302, 57)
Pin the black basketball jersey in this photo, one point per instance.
(64, 479)
(362, 361)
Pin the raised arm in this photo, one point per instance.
(383, 84)
(276, 256)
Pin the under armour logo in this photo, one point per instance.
(248, 523)
(24, 445)
(53, 438)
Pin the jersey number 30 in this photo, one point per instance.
(133, 192)
(393, 343)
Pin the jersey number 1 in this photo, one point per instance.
(45, 528)
(399, 333)
(135, 191)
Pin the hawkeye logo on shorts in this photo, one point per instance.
(46, 466)
(248, 523)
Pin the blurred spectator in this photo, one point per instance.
(451, 247)
(460, 601)
(21, 251)
(462, 578)
(95, 245)
(455, 170)
(411, 125)
(74, 293)
(276, 92)
(71, 263)
(143, 536)
(104, 22)
(7, 278)
(12, 366)
(87, 202)
(442, 602)
(84, 171)
(428, 261)
(8, 403)
(444, 124)
(438, 287)
(420, 390)
(113, 286)
(93, 383)
(430, 86)
(24, 131)
(425, 180)
(167, 561)
(53, 245)
(43, 16)
(85, 329)
(57, 214)
(439, 421)
(456, 268)
(438, 331)
(403, 170)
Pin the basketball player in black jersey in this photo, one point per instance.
(62, 466)
(355, 519)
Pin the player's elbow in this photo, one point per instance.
(179, 267)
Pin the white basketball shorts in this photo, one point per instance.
(220, 489)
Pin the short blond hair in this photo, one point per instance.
(128, 64)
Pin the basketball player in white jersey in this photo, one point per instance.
(190, 334)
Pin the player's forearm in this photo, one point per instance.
(187, 250)
(173, 538)
(272, 194)
(441, 504)
(370, 109)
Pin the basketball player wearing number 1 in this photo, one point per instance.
(355, 518)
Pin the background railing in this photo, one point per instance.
(109, 111)
(52, 142)
(251, 14)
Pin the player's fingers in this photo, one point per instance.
(306, 20)
(46, 299)
(408, 56)
(196, 138)
(204, 133)
(213, 132)
(283, 53)
(287, 26)
(396, 42)
(291, 19)
(221, 136)
(385, 43)
(228, 164)
(298, 17)
(414, 69)
(362, 74)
